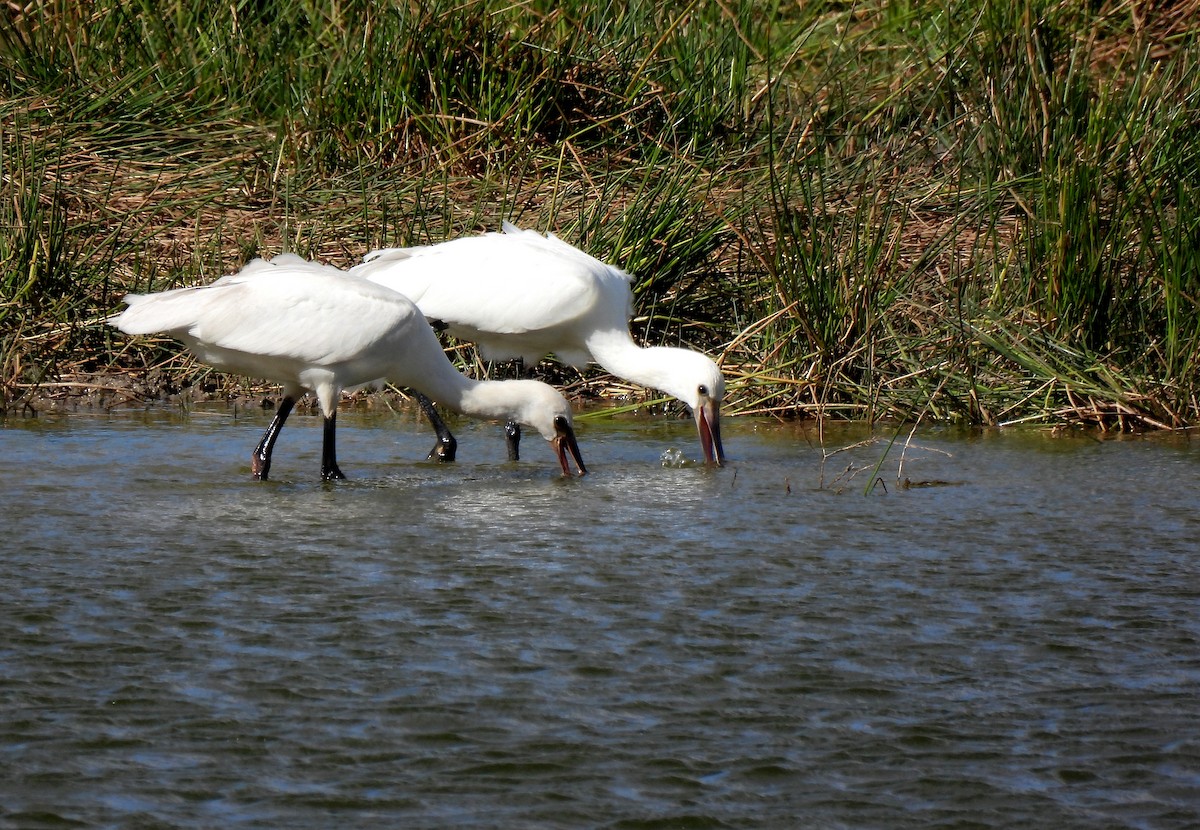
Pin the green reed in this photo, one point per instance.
(1007, 161)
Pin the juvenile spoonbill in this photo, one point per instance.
(519, 294)
(311, 328)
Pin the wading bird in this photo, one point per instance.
(519, 294)
(311, 328)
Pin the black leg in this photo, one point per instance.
(446, 445)
(329, 466)
(260, 462)
(512, 430)
(512, 437)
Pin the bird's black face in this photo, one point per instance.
(564, 442)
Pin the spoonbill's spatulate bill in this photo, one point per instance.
(522, 294)
(311, 328)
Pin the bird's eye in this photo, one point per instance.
(560, 421)
(703, 390)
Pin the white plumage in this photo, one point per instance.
(522, 294)
(311, 328)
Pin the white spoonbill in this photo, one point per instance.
(522, 294)
(311, 328)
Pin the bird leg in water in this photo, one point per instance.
(329, 466)
(446, 445)
(260, 461)
(512, 430)
(512, 437)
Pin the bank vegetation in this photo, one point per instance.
(981, 212)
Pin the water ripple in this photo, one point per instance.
(485, 644)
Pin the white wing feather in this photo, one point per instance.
(264, 310)
(513, 283)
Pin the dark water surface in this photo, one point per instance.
(1016, 644)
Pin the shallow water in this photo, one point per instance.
(1012, 642)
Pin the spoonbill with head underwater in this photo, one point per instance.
(312, 329)
(519, 294)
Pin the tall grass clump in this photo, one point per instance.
(1015, 154)
(1098, 123)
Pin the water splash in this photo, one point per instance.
(674, 458)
